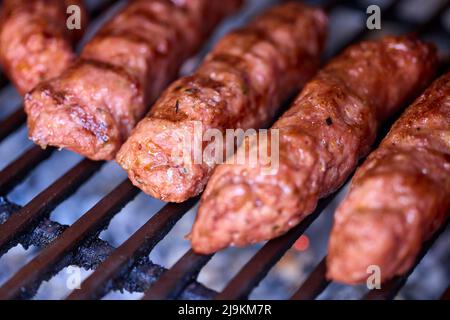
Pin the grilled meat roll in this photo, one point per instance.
(92, 107)
(241, 84)
(35, 43)
(329, 127)
(399, 197)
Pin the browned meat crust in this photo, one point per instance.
(92, 107)
(399, 197)
(35, 44)
(241, 84)
(329, 127)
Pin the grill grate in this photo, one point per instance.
(17, 118)
(128, 266)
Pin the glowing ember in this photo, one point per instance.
(302, 243)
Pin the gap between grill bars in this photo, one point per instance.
(122, 262)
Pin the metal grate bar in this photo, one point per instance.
(390, 288)
(89, 225)
(446, 295)
(36, 209)
(257, 268)
(12, 123)
(105, 279)
(101, 8)
(172, 282)
(241, 286)
(136, 247)
(3, 80)
(19, 168)
(314, 284)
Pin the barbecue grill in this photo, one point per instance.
(128, 266)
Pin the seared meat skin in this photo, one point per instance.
(92, 107)
(329, 127)
(35, 43)
(399, 197)
(241, 84)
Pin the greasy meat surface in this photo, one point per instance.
(92, 107)
(241, 84)
(399, 197)
(329, 127)
(35, 44)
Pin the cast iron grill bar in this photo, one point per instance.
(15, 120)
(19, 168)
(172, 283)
(166, 286)
(136, 247)
(3, 80)
(88, 226)
(446, 294)
(27, 217)
(390, 288)
(435, 20)
(331, 4)
(314, 284)
(261, 263)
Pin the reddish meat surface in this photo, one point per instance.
(329, 127)
(241, 84)
(92, 107)
(399, 197)
(35, 43)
